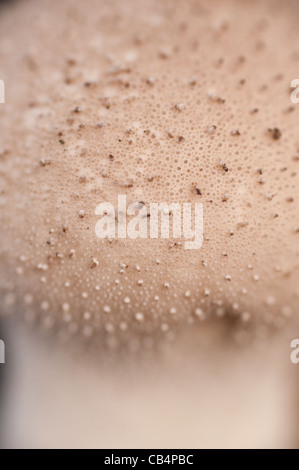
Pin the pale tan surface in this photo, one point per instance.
(129, 64)
(221, 398)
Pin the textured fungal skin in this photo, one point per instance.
(189, 102)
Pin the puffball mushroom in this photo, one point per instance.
(162, 102)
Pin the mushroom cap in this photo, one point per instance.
(163, 102)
